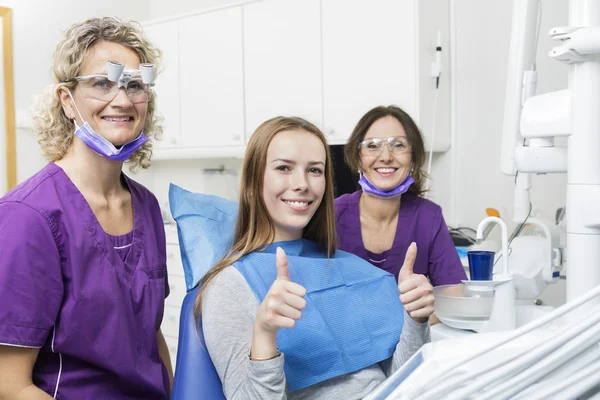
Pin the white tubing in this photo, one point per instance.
(424, 388)
(520, 362)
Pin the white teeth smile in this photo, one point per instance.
(297, 203)
(385, 170)
(119, 119)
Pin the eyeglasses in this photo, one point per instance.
(374, 146)
(99, 87)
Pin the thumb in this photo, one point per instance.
(282, 265)
(409, 261)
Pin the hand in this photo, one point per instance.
(284, 302)
(416, 293)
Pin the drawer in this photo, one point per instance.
(171, 234)
(177, 290)
(172, 345)
(170, 323)
(174, 264)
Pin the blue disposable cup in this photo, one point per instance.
(481, 265)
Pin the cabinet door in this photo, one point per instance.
(369, 59)
(164, 36)
(211, 75)
(282, 58)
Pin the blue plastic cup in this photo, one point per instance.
(481, 265)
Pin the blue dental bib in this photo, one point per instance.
(353, 317)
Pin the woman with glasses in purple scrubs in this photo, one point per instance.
(379, 222)
(83, 263)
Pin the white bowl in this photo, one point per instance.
(456, 301)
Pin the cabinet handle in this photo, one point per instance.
(236, 138)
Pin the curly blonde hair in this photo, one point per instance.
(53, 129)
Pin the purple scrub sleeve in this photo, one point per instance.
(31, 286)
(93, 310)
(420, 221)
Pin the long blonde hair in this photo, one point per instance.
(254, 227)
(54, 130)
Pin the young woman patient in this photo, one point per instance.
(286, 316)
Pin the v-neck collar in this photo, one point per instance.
(123, 268)
(405, 213)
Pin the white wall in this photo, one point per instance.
(37, 27)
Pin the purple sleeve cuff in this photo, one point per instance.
(22, 336)
(448, 279)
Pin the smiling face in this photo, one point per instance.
(388, 169)
(294, 181)
(119, 121)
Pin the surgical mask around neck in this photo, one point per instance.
(103, 146)
(373, 190)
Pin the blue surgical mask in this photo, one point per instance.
(105, 148)
(373, 190)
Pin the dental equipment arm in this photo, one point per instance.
(571, 112)
(521, 57)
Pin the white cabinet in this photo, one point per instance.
(211, 76)
(165, 36)
(368, 57)
(173, 303)
(329, 61)
(282, 61)
(372, 55)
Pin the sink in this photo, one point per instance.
(530, 312)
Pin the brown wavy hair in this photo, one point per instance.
(53, 129)
(413, 134)
(254, 228)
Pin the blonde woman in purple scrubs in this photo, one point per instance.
(83, 263)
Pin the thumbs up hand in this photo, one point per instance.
(284, 302)
(416, 293)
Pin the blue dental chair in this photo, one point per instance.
(195, 374)
(205, 228)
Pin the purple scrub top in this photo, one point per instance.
(420, 221)
(66, 290)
